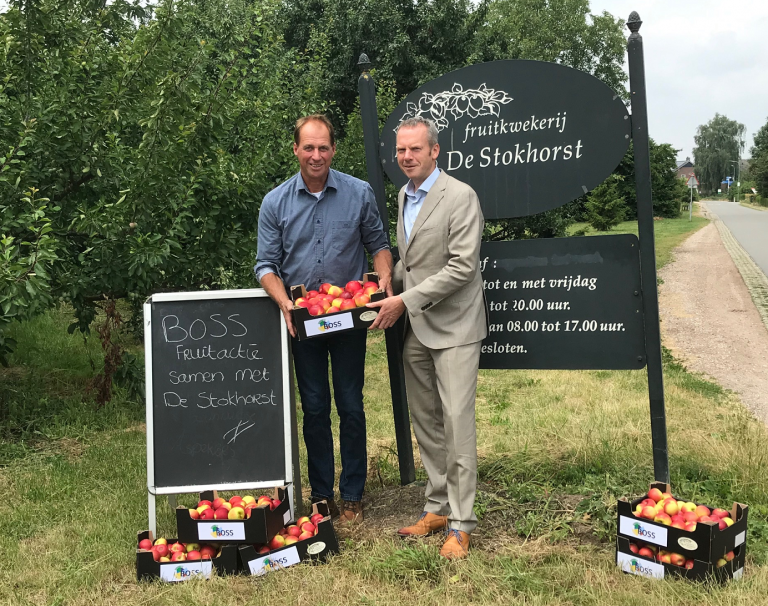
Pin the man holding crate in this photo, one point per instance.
(315, 228)
(439, 228)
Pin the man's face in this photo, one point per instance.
(314, 150)
(414, 155)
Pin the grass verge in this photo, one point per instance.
(557, 449)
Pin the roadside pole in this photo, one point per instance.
(394, 335)
(647, 248)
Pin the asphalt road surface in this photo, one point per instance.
(748, 226)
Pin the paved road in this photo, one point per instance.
(748, 226)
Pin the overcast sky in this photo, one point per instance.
(693, 50)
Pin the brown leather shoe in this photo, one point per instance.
(427, 524)
(352, 512)
(457, 545)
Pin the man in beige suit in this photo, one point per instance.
(439, 228)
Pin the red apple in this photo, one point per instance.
(222, 513)
(729, 556)
(690, 516)
(305, 535)
(634, 548)
(648, 512)
(677, 559)
(346, 295)
(347, 304)
(688, 564)
(678, 524)
(235, 501)
(315, 310)
(645, 552)
(161, 541)
(145, 544)
(316, 517)
(207, 514)
(690, 526)
(264, 502)
(275, 503)
(263, 549)
(164, 559)
(670, 507)
(312, 294)
(161, 549)
(155, 555)
(277, 542)
(353, 287)
(202, 508)
(719, 513)
(702, 510)
(665, 558)
(204, 502)
(370, 290)
(370, 284)
(248, 499)
(207, 552)
(337, 302)
(217, 502)
(655, 494)
(193, 555)
(361, 300)
(294, 530)
(179, 556)
(324, 287)
(307, 527)
(332, 309)
(194, 514)
(301, 520)
(326, 305)
(177, 547)
(334, 291)
(728, 522)
(706, 519)
(663, 518)
(290, 540)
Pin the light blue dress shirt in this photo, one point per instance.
(414, 201)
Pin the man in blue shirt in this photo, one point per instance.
(315, 228)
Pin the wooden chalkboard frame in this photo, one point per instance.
(289, 421)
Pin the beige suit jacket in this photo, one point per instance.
(438, 275)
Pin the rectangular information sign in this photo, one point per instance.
(563, 303)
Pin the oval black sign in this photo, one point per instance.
(528, 136)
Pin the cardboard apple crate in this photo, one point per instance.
(263, 524)
(315, 327)
(706, 544)
(633, 563)
(227, 562)
(317, 548)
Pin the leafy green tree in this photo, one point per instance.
(560, 31)
(718, 143)
(154, 132)
(606, 208)
(759, 166)
(665, 185)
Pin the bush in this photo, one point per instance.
(606, 207)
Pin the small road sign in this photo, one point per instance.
(693, 182)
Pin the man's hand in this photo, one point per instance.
(390, 309)
(286, 307)
(385, 283)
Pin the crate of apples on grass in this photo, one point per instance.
(334, 308)
(238, 519)
(311, 537)
(679, 535)
(173, 561)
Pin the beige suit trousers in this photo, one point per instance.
(441, 385)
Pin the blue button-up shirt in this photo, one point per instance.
(309, 241)
(414, 200)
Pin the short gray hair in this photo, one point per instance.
(416, 121)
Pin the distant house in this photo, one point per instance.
(685, 169)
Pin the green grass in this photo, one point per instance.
(557, 449)
(668, 233)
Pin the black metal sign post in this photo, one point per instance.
(647, 248)
(530, 136)
(394, 336)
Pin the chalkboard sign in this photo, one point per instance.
(563, 303)
(528, 136)
(218, 398)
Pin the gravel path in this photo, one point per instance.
(709, 320)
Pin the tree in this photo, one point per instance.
(153, 133)
(606, 207)
(759, 165)
(665, 191)
(718, 143)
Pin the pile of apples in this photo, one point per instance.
(178, 552)
(666, 557)
(304, 528)
(661, 507)
(330, 298)
(236, 508)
